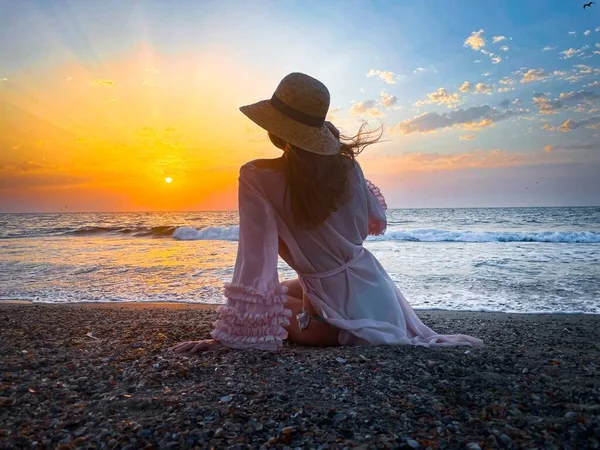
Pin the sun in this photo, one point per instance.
(168, 180)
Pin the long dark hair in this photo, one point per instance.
(316, 185)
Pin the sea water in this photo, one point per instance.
(485, 259)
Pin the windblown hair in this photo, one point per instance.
(317, 185)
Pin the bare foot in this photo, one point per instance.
(197, 346)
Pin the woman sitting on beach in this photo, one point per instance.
(314, 208)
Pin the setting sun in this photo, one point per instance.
(168, 180)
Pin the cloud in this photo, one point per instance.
(466, 87)
(506, 89)
(587, 32)
(388, 100)
(507, 81)
(485, 74)
(571, 52)
(578, 99)
(572, 33)
(534, 75)
(435, 162)
(419, 69)
(496, 60)
(570, 124)
(548, 127)
(102, 83)
(504, 48)
(475, 41)
(467, 137)
(388, 77)
(547, 48)
(559, 73)
(546, 105)
(594, 84)
(473, 118)
(366, 107)
(497, 38)
(441, 97)
(482, 88)
(548, 148)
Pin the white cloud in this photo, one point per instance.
(559, 73)
(475, 41)
(467, 137)
(571, 52)
(482, 88)
(466, 87)
(485, 74)
(388, 100)
(419, 69)
(580, 100)
(496, 60)
(504, 48)
(572, 33)
(587, 32)
(548, 127)
(365, 108)
(597, 29)
(473, 118)
(441, 97)
(594, 84)
(498, 39)
(507, 81)
(547, 48)
(534, 75)
(387, 76)
(506, 89)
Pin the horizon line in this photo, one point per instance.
(237, 210)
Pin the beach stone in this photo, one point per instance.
(412, 443)
(491, 442)
(473, 446)
(218, 433)
(570, 415)
(506, 440)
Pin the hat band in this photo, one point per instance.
(294, 114)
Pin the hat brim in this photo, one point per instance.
(317, 140)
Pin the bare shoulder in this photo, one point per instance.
(275, 164)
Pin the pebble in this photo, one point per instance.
(154, 397)
(506, 440)
(412, 443)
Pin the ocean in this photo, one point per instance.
(517, 260)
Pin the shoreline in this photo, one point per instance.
(213, 306)
(101, 376)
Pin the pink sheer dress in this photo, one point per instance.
(344, 282)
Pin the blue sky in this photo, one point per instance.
(479, 100)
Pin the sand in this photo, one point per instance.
(101, 376)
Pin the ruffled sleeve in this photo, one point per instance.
(254, 315)
(376, 206)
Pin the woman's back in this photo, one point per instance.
(325, 246)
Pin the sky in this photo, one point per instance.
(482, 103)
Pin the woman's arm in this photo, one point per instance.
(255, 313)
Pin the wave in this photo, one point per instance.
(231, 233)
(159, 231)
(207, 234)
(429, 235)
(433, 235)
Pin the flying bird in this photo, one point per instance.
(588, 5)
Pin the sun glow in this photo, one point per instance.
(168, 180)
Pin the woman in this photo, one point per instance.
(314, 208)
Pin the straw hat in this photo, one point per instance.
(296, 113)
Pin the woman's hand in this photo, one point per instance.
(204, 345)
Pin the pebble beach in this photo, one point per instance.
(100, 376)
